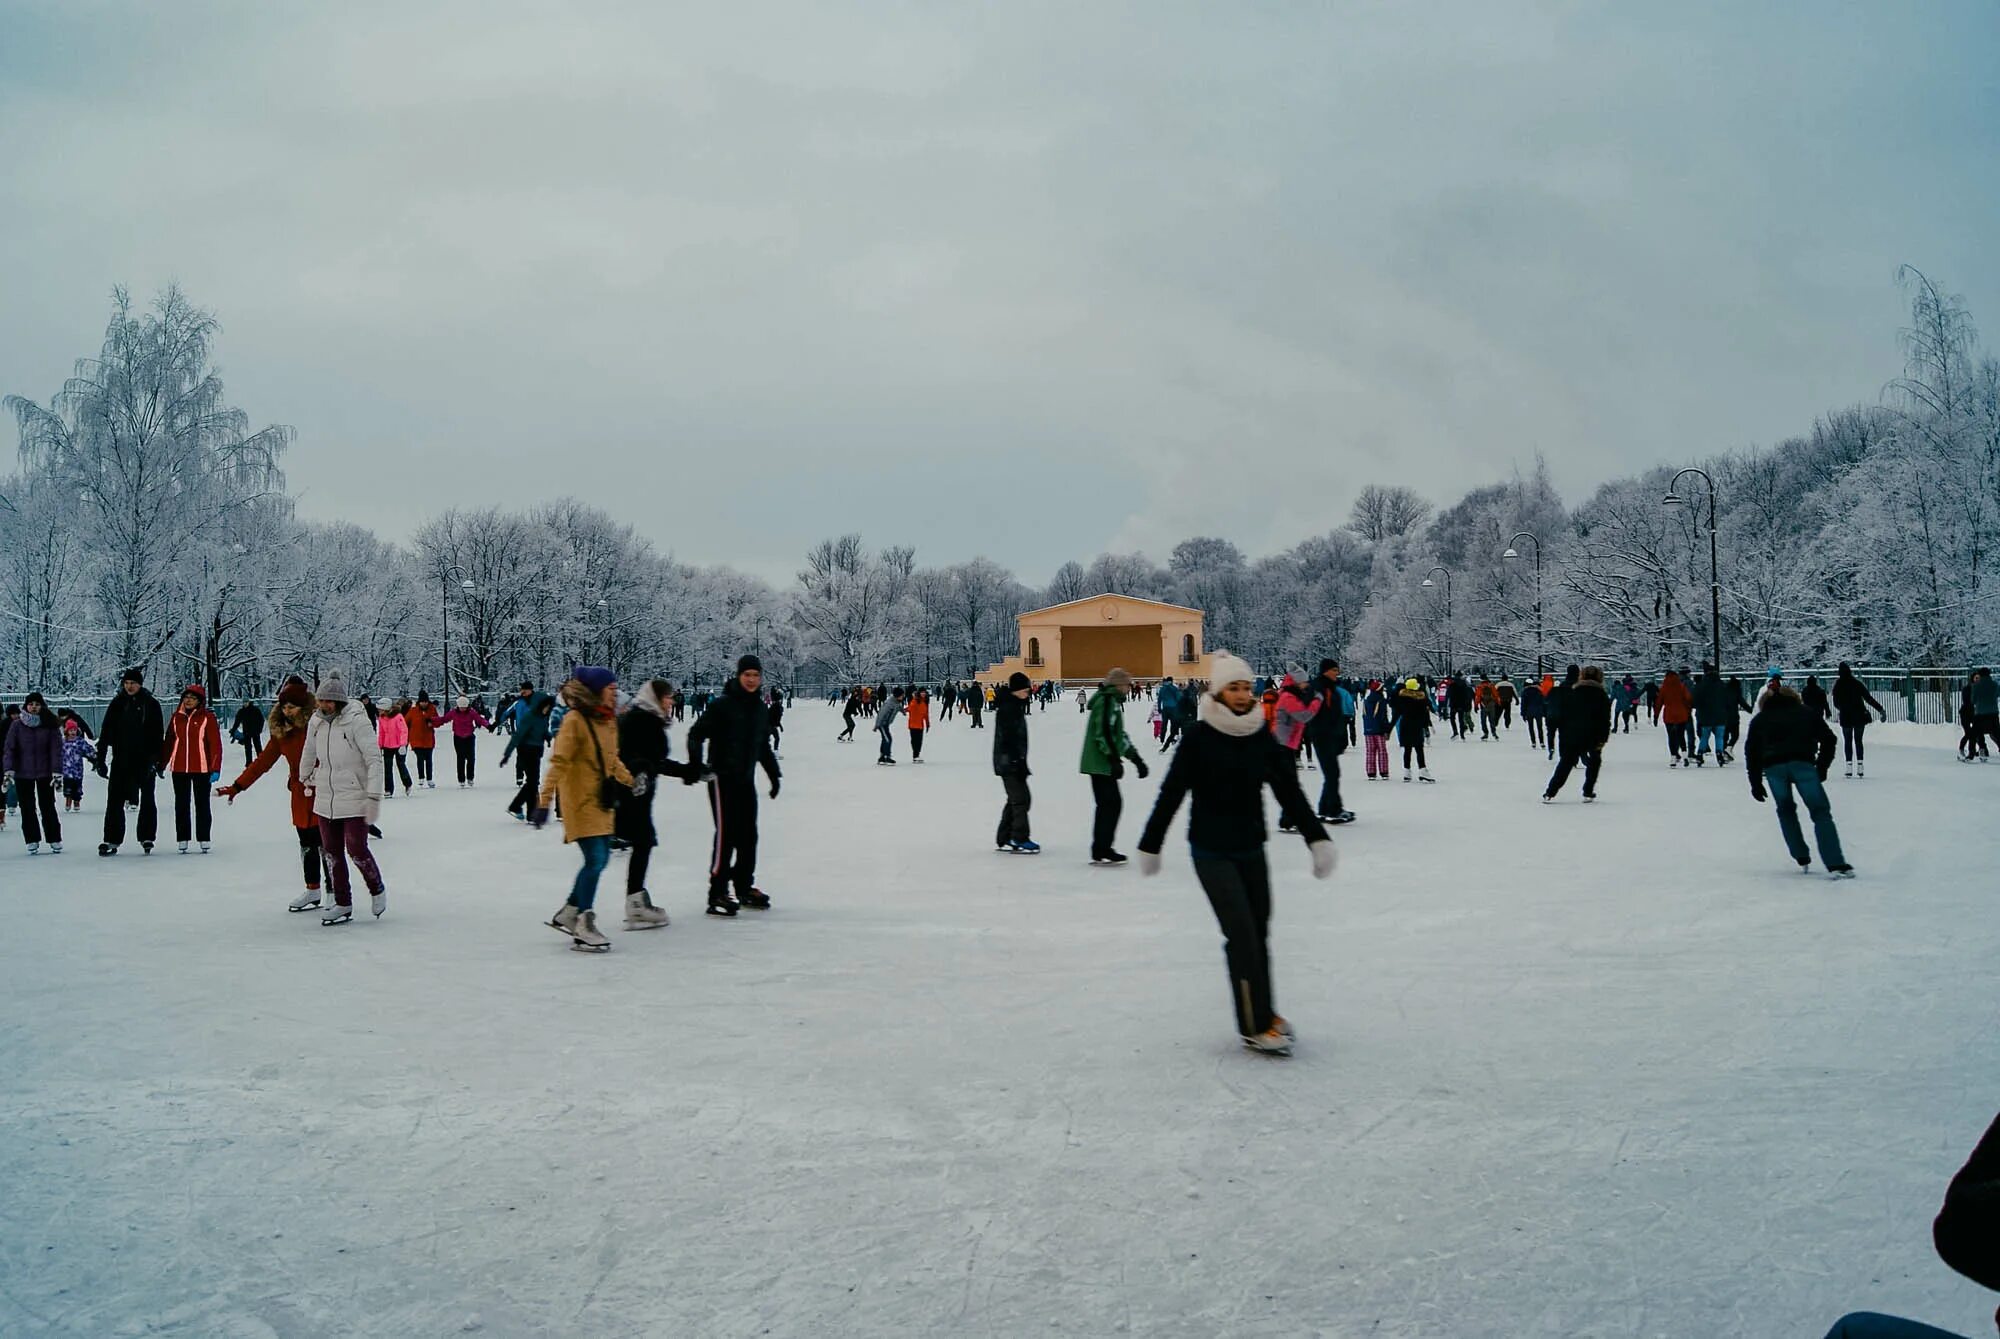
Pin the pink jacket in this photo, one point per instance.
(391, 730)
(1295, 712)
(463, 721)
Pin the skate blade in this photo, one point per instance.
(646, 925)
(579, 946)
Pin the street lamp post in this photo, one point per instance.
(464, 583)
(1428, 584)
(1674, 499)
(1513, 552)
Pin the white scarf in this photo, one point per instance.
(1217, 717)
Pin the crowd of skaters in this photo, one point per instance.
(595, 757)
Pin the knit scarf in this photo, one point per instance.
(1217, 717)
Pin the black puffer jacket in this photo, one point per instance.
(1227, 774)
(1784, 731)
(1010, 736)
(733, 737)
(1586, 716)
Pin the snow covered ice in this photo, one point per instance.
(1616, 1070)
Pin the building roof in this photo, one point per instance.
(1109, 595)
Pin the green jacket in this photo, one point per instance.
(1104, 741)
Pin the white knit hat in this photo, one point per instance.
(332, 688)
(1225, 668)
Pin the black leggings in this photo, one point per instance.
(312, 856)
(1419, 748)
(392, 762)
(464, 749)
(1850, 741)
(1239, 889)
(423, 763)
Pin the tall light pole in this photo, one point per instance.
(1513, 552)
(1673, 499)
(1450, 661)
(445, 575)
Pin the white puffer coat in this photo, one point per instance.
(341, 766)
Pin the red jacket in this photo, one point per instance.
(1676, 703)
(193, 743)
(423, 719)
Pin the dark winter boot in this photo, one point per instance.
(754, 899)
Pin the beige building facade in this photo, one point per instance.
(1081, 641)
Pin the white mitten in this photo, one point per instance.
(1324, 858)
(1149, 863)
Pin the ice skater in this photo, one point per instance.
(341, 768)
(289, 718)
(192, 752)
(1226, 761)
(1790, 750)
(731, 740)
(1583, 732)
(586, 773)
(1010, 764)
(1851, 703)
(32, 759)
(1106, 750)
(1412, 713)
(647, 752)
(885, 726)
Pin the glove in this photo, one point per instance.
(641, 783)
(1757, 792)
(1138, 765)
(1325, 857)
(100, 769)
(6, 778)
(214, 777)
(160, 770)
(1149, 863)
(774, 787)
(694, 776)
(538, 817)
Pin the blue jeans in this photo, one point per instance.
(1717, 733)
(1785, 777)
(1873, 1325)
(596, 855)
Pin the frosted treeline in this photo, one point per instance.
(149, 523)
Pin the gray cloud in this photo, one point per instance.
(1023, 280)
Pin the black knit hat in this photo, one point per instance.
(1329, 663)
(749, 663)
(1017, 681)
(133, 675)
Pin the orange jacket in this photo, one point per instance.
(423, 719)
(920, 714)
(1486, 695)
(289, 748)
(1270, 707)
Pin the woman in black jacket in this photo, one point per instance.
(1852, 702)
(1225, 762)
(644, 749)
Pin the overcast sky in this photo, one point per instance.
(1023, 280)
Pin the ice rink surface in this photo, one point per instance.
(1616, 1070)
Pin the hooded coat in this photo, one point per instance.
(584, 757)
(1297, 705)
(1105, 743)
(1413, 716)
